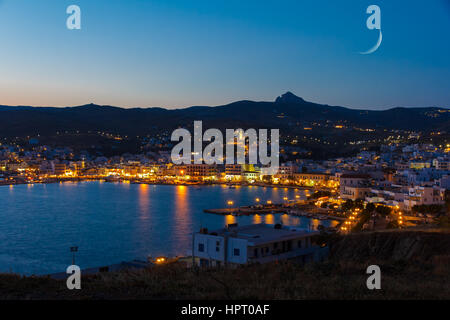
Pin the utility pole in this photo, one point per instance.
(73, 250)
(193, 242)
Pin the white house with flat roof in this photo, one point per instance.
(257, 243)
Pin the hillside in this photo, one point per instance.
(414, 265)
(287, 112)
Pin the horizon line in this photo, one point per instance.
(168, 108)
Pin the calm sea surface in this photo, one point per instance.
(114, 222)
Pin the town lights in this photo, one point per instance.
(257, 200)
(230, 202)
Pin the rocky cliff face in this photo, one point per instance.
(383, 246)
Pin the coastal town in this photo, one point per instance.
(224, 159)
(399, 186)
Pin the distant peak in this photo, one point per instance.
(88, 105)
(289, 97)
(95, 106)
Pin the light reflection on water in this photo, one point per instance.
(111, 222)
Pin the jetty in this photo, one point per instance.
(304, 211)
(248, 210)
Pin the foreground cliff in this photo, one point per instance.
(392, 245)
(414, 265)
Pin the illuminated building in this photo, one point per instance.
(233, 171)
(197, 171)
(312, 179)
(285, 172)
(354, 186)
(423, 196)
(59, 169)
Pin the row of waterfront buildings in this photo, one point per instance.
(403, 176)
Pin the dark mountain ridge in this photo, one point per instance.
(287, 112)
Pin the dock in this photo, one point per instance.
(272, 209)
(246, 211)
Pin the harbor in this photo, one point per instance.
(127, 221)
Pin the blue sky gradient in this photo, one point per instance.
(136, 53)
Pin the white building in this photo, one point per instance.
(258, 243)
(354, 186)
(354, 193)
(424, 196)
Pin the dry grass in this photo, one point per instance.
(330, 280)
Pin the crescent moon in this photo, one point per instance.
(375, 47)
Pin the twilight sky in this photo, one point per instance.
(177, 53)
